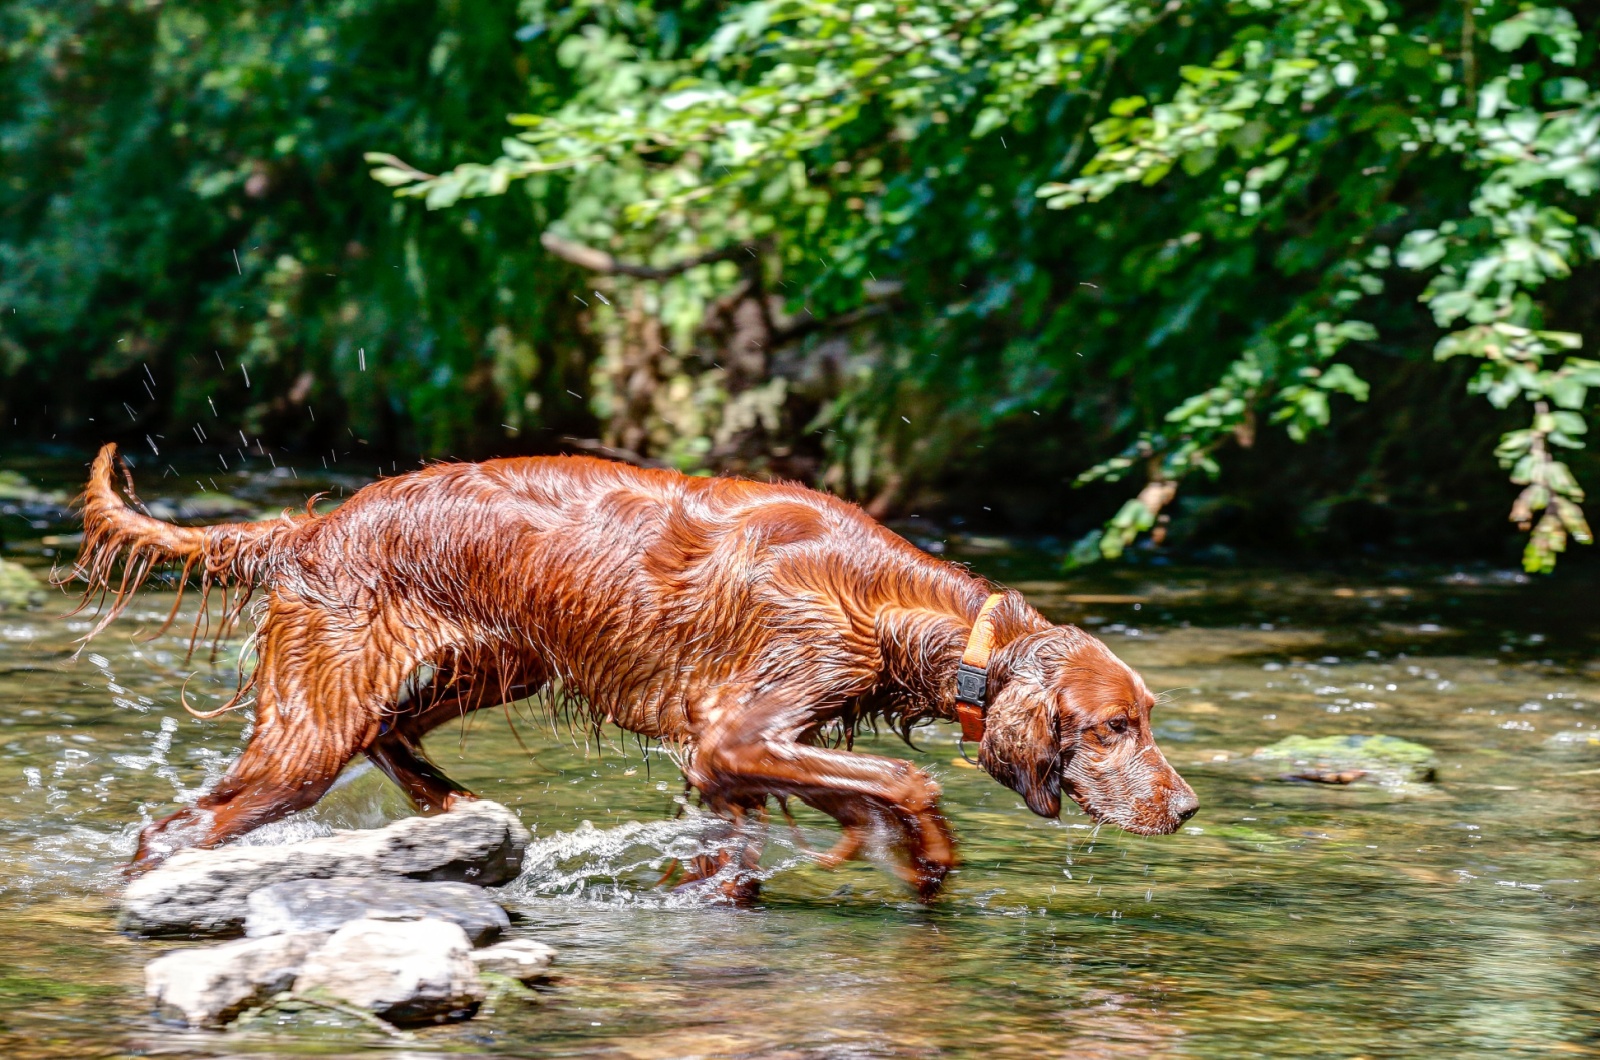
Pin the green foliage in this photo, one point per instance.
(1395, 97)
(842, 137)
(1295, 155)
(185, 192)
(868, 243)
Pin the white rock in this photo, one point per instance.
(208, 987)
(204, 892)
(519, 958)
(405, 971)
(327, 905)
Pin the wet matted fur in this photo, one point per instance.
(737, 622)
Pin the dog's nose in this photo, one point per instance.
(1185, 806)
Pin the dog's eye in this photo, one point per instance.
(1119, 724)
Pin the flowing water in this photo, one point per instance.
(1287, 918)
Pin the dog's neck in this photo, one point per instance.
(921, 647)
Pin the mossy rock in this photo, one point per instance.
(212, 506)
(1343, 759)
(14, 487)
(19, 588)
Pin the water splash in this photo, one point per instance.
(623, 864)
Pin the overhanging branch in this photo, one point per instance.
(605, 264)
(594, 260)
(807, 324)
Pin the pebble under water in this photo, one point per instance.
(1286, 918)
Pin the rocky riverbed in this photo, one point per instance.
(397, 925)
(1470, 898)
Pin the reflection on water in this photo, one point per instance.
(1287, 918)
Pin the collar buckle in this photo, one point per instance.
(972, 684)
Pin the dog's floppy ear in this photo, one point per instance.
(1022, 747)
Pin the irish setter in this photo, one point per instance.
(739, 623)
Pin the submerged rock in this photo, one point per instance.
(522, 959)
(208, 987)
(405, 971)
(327, 905)
(206, 892)
(1345, 759)
(18, 587)
(14, 486)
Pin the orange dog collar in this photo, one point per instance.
(972, 673)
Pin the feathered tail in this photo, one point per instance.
(230, 555)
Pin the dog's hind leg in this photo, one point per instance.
(267, 782)
(315, 708)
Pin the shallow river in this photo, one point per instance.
(1460, 918)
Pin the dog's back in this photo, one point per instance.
(456, 532)
(638, 587)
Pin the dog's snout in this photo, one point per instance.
(1185, 806)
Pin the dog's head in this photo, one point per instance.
(1069, 714)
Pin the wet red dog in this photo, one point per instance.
(735, 621)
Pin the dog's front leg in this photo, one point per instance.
(734, 863)
(909, 810)
(750, 749)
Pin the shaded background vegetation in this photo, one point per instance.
(942, 258)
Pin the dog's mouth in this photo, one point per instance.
(1140, 819)
(1141, 827)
